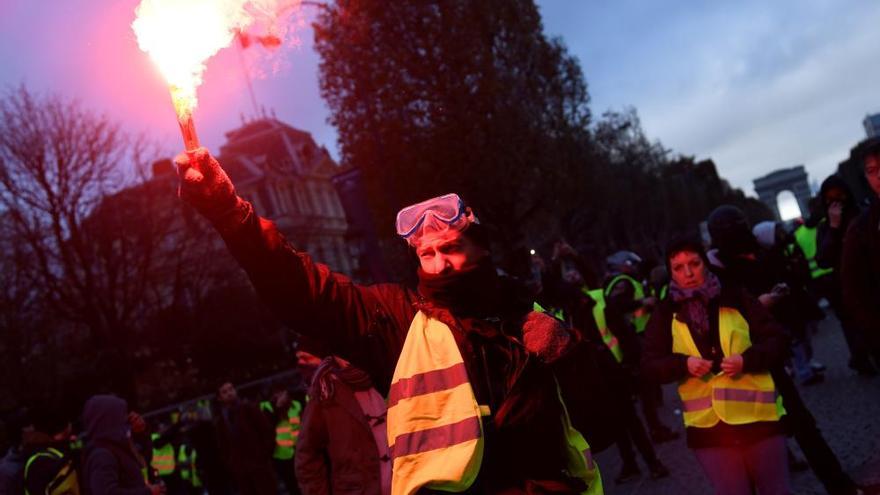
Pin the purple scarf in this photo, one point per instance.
(694, 302)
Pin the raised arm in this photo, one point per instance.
(364, 324)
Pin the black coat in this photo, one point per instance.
(367, 325)
(860, 272)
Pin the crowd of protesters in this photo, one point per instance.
(482, 380)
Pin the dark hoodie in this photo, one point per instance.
(830, 240)
(110, 465)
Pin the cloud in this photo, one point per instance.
(756, 86)
(796, 108)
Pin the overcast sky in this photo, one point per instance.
(754, 85)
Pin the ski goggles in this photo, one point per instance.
(438, 214)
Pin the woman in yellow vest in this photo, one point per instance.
(718, 344)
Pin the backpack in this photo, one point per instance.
(51, 472)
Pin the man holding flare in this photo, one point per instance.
(469, 370)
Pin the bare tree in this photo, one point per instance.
(89, 239)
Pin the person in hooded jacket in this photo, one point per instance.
(860, 264)
(344, 446)
(502, 426)
(840, 210)
(738, 262)
(110, 464)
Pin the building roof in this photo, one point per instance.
(270, 146)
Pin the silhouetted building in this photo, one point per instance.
(288, 178)
(792, 179)
(872, 125)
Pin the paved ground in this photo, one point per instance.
(846, 406)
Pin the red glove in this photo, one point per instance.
(545, 336)
(204, 184)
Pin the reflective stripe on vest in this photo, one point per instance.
(434, 422)
(598, 296)
(807, 240)
(741, 399)
(64, 481)
(579, 457)
(641, 315)
(163, 458)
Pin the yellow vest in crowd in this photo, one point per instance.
(641, 315)
(741, 399)
(598, 296)
(435, 428)
(807, 240)
(163, 458)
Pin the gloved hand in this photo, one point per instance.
(545, 336)
(204, 184)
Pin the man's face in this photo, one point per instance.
(227, 394)
(571, 274)
(448, 251)
(872, 172)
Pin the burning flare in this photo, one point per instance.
(181, 35)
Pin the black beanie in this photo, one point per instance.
(478, 234)
(730, 231)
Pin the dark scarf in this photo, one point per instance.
(474, 292)
(694, 302)
(323, 386)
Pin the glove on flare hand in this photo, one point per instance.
(205, 185)
(545, 336)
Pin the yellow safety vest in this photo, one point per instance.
(807, 239)
(556, 313)
(287, 433)
(435, 429)
(163, 458)
(741, 399)
(641, 315)
(598, 296)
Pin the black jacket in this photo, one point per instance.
(110, 465)
(860, 272)
(367, 325)
(829, 240)
(767, 351)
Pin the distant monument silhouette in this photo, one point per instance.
(792, 179)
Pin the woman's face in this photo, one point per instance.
(688, 269)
